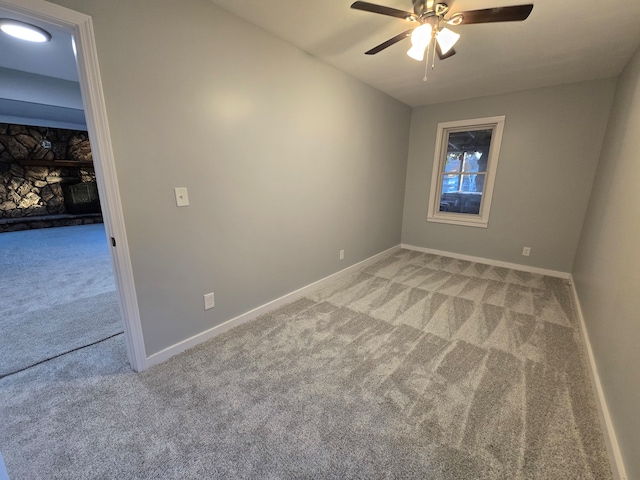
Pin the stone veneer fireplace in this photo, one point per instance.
(46, 178)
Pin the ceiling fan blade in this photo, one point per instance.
(515, 13)
(389, 42)
(382, 10)
(449, 54)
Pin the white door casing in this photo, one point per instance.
(81, 27)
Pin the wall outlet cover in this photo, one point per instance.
(209, 301)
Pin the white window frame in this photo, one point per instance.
(480, 219)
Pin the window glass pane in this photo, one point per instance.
(471, 204)
(470, 148)
(450, 183)
(450, 202)
(458, 202)
(453, 162)
(472, 183)
(472, 162)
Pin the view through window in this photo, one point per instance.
(464, 168)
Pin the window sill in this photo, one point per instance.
(459, 221)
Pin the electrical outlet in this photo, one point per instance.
(526, 251)
(209, 301)
(341, 254)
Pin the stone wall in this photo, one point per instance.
(36, 190)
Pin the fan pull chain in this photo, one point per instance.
(433, 57)
(426, 65)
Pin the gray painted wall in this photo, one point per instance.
(552, 140)
(286, 159)
(29, 99)
(32, 88)
(607, 266)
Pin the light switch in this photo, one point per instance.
(182, 196)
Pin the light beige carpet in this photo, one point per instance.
(57, 293)
(417, 367)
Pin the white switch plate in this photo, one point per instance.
(209, 301)
(341, 254)
(526, 251)
(182, 196)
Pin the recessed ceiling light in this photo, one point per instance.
(24, 31)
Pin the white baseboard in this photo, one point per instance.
(488, 261)
(613, 449)
(180, 347)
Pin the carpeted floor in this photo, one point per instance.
(58, 293)
(418, 367)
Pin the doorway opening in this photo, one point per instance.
(79, 27)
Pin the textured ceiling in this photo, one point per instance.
(51, 59)
(38, 81)
(561, 42)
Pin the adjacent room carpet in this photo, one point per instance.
(57, 293)
(418, 366)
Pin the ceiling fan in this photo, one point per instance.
(429, 19)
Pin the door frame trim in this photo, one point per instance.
(81, 27)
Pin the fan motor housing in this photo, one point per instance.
(428, 7)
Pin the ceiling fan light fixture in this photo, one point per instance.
(446, 40)
(420, 39)
(417, 52)
(430, 14)
(421, 36)
(24, 31)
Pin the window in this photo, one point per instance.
(464, 170)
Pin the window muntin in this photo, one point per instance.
(464, 168)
